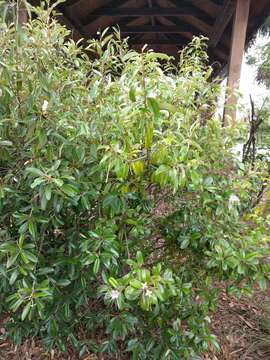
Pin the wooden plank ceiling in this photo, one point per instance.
(165, 25)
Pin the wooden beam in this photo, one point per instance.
(115, 3)
(202, 24)
(72, 23)
(22, 13)
(221, 22)
(151, 11)
(71, 2)
(157, 29)
(205, 7)
(209, 7)
(75, 34)
(148, 29)
(150, 5)
(155, 42)
(197, 11)
(236, 58)
(198, 28)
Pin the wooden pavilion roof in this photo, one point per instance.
(165, 25)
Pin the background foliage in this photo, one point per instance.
(120, 197)
(261, 57)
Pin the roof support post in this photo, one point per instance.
(22, 13)
(236, 58)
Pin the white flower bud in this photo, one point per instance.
(233, 201)
(115, 294)
(45, 106)
(145, 287)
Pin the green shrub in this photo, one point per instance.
(119, 208)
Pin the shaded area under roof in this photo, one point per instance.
(165, 25)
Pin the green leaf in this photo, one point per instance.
(13, 277)
(46, 270)
(263, 284)
(168, 106)
(132, 94)
(48, 192)
(32, 257)
(113, 203)
(154, 106)
(138, 167)
(69, 190)
(58, 182)
(131, 293)
(120, 301)
(37, 182)
(144, 275)
(15, 306)
(63, 282)
(184, 242)
(195, 177)
(25, 311)
(133, 344)
(149, 136)
(121, 170)
(85, 203)
(139, 258)
(43, 202)
(11, 260)
(113, 282)
(34, 171)
(136, 284)
(6, 143)
(24, 257)
(32, 227)
(96, 266)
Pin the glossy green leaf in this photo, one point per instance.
(25, 311)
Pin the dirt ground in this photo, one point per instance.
(235, 325)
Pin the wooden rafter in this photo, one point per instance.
(178, 38)
(195, 28)
(71, 2)
(194, 10)
(204, 6)
(198, 23)
(72, 23)
(199, 27)
(76, 35)
(115, 4)
(151, 11)
(120, 24)
(173, 22)
(150, 4)
(156, 42)
(157, 29)
(209, 7)
(222, 22)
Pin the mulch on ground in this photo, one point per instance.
(236, 326)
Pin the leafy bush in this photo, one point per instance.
(120, 203)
